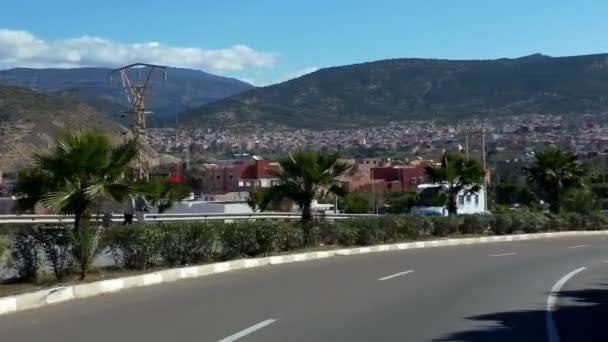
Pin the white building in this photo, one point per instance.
(467, 203)
(210, 207)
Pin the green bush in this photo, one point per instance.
(444, 226)
(338, 232)
(369, 231)
(475, 224)
(4, 244)
(596, 221)
(24, 253)
(134, 246)
(57, 244)
(290, 236)
(573, 221)
(249, 239)
(527, 222)
(402, 227)
(501, 224)
(188, 243)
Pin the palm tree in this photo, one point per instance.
(81, 170)
(456, 174)
(304, 176)
(553, 174)
(161, 193)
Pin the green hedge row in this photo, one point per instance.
(186, 243)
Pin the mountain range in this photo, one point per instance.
(376, 93)
(182, 90)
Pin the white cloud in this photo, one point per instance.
(22, 48)
(299, 73)
(285, 77)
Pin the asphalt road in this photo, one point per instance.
(491, 292)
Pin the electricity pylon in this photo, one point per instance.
(136, 93)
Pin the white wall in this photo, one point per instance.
(472, 203)
(205, 207)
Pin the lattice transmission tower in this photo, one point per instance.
(135, 90)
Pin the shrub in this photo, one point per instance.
(596, 221)
(527, 222)
(134, 246)
(290, 236)
(57, 245)
(475, 224)
(501, 224)
(188, 242)
(399, 228)
(24, 252)
(338, 232)
(86, 246)
(4, 244)
(444, 226)
(573, 221)
(249, 238)
(369, 231)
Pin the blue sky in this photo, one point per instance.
(266, 41)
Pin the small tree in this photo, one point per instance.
(304, 176)
(161, 193)
(355, 203)
(81, 170)
(456, 174)
(553, 174)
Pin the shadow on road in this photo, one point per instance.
(581, 316)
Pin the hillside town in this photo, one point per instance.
(511, 134)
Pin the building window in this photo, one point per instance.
(241, 183)
(217, 177)
(476, 199)
(230, 177)
(413, 180)
(461, 199)
(468, 198)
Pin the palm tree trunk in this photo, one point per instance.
(306, 213)
(452, 206)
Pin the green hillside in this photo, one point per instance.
(419, 89)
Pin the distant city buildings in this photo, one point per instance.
(583, 134)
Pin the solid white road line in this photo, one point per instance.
(552, 332)
(579, 246)
(396, 275)
(248, 331)
(499, 255)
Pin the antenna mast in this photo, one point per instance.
(136, 92)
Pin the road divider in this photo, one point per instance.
(61, 294)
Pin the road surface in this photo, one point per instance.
(515, 291)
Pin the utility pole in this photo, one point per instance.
(485, 170)
(466, 145)
(136, 92)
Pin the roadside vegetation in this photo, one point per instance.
(34, 248)
(84, 171)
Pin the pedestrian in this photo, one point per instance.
(141, 207)
(128, 210)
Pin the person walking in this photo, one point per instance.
(141, 207)
(128, 210)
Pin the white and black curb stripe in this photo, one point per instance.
(45, 297)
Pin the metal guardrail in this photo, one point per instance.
(13, 219)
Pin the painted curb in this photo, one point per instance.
(51, 296)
